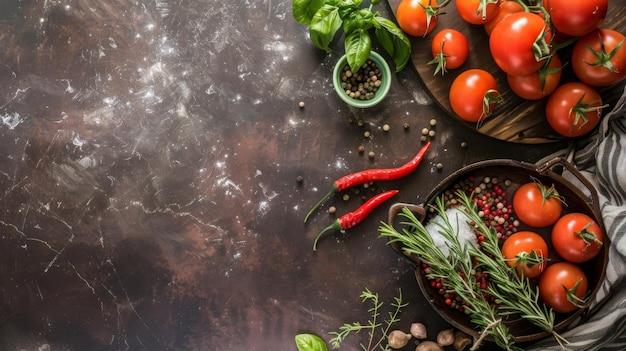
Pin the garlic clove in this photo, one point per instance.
(418, 330)
(445, 337)
(398, 339)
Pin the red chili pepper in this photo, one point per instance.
(372, 175)
(351, 219)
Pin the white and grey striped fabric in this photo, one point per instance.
(603, 161)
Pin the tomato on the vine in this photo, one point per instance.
(563, 286)
(577, 237)
(417, 17)
(540, 84)
(474, 95)
(526, 251)
(574, 109)
(537, 205)
(519, 43)
(450, 49)
(506, 8)
(477, 11)
(599, 58)
(576, 17)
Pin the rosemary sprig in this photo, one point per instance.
(515, 293)
(456, 269)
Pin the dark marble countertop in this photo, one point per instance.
(149, 171)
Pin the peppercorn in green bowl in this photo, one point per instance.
(368, 86)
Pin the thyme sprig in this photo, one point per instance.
(456, 269)
(373, 324)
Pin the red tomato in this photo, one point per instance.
(477, 11)
(537, 205)
(526, 251)
(540, 84)
(507, 7)
(450, 49)
(574, 109)
(599, 58)
(562, 286)
(474, 95)
(576, 17)
(512, 43)
(577, 237)
(417, 17)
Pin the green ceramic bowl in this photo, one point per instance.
(380, 93)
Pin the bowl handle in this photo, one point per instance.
(394, 211)
(396, 208)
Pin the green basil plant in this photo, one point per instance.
(326, 17)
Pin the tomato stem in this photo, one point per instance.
(602, 57)
(541, 47)
(432, 11)
(581, 109)
(571, 295)
(440, 60)
(545, 71)
(482, 7)
(492, 97)
(548, 192)
(529, 259)
(587, 236)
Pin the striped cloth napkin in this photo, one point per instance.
(602, 160)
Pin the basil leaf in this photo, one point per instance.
(325, 23)
(394, 41)
(303, 10)
(362, 19)
(358, 46)
(338, 3)
(345, 3)
(310, 342)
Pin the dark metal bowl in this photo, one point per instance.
(518, 173)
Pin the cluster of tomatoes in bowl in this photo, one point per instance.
(576, 237)
(531, 44)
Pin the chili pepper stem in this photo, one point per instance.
(317, 205)
(336, 225)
